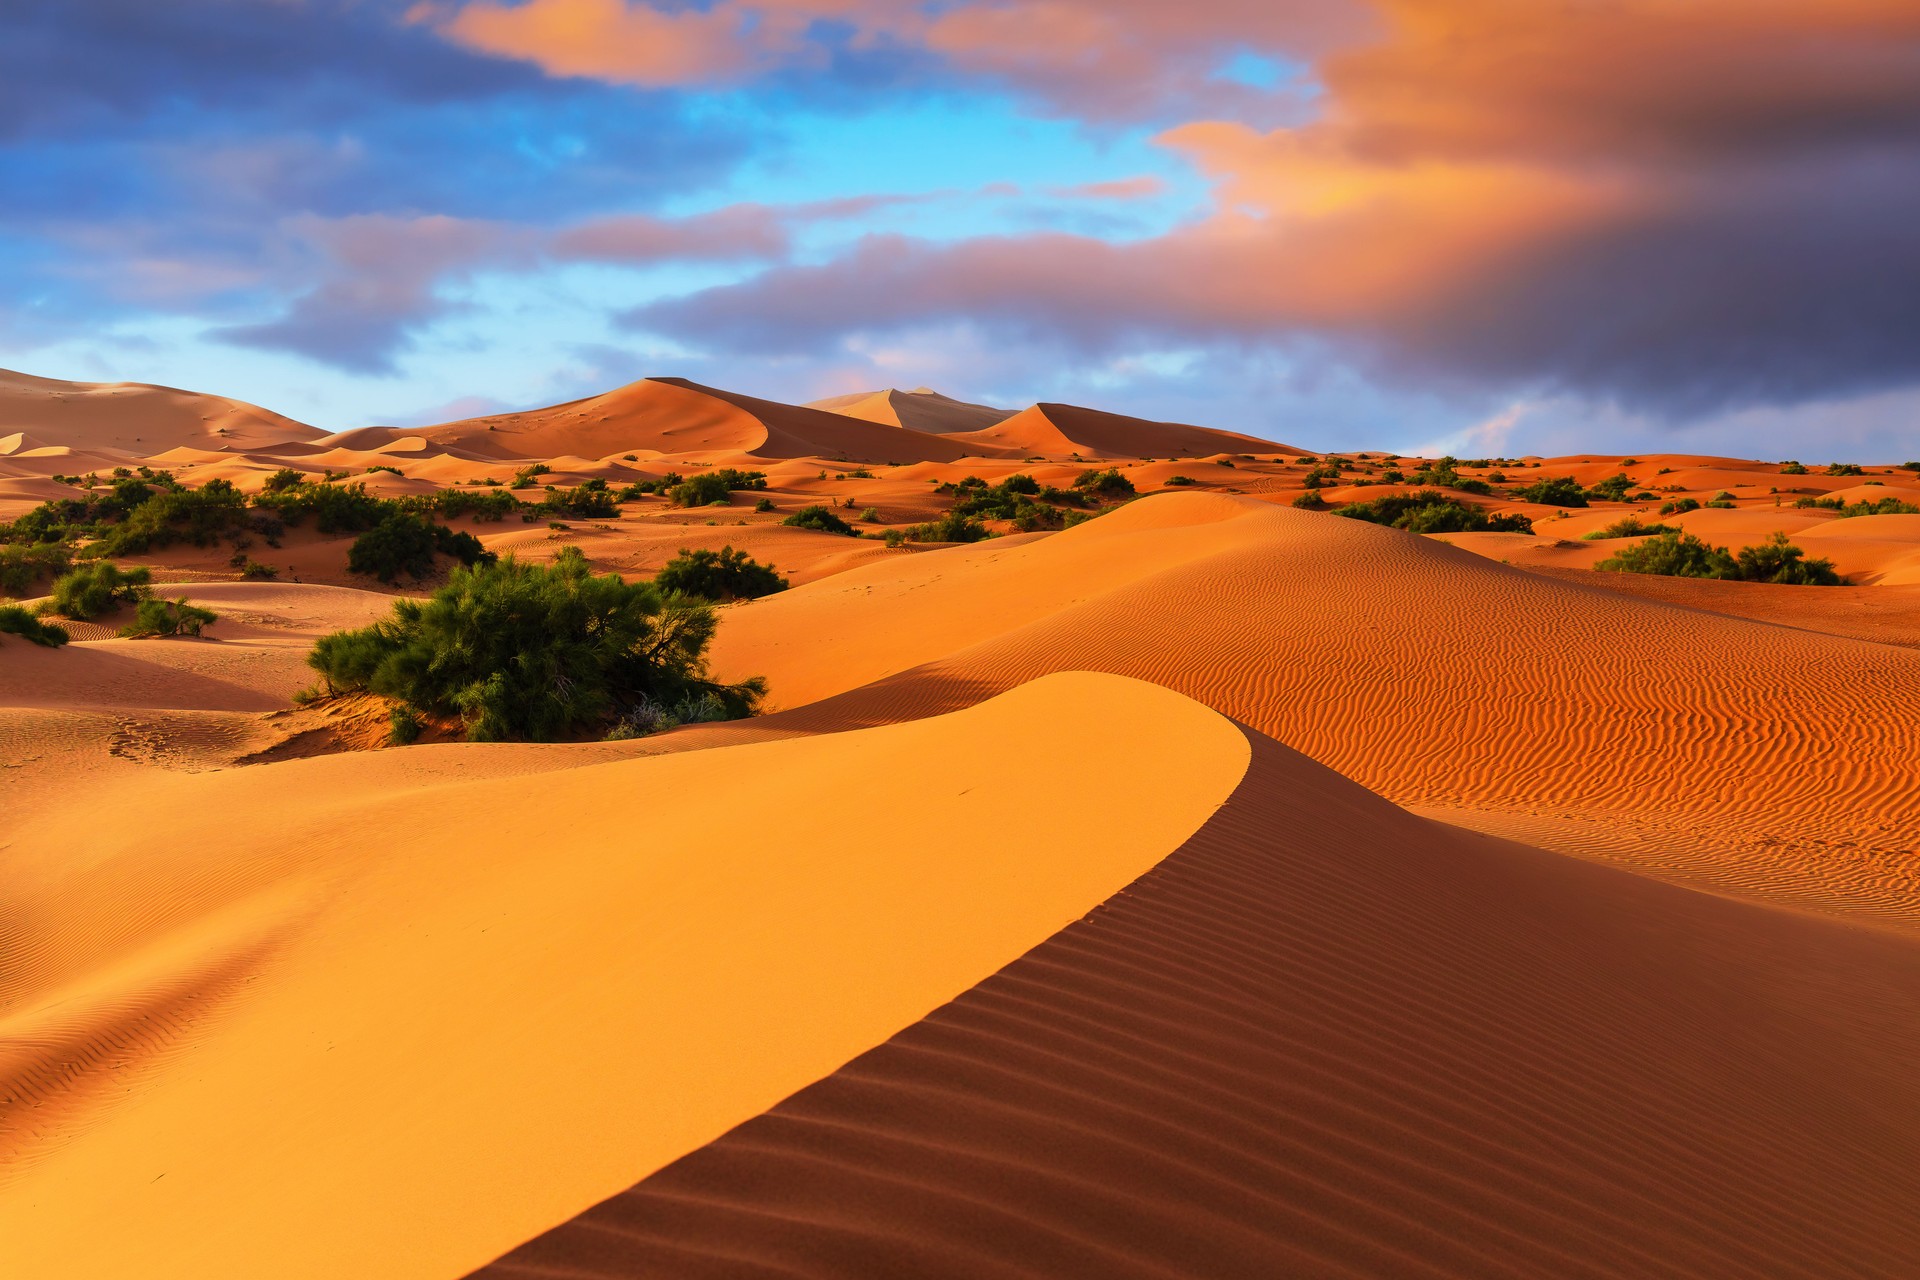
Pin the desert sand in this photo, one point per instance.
(1211, 887)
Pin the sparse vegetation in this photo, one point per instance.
(1628, 527)
(725, 574)
(1107, 484)
(154, 617)
(406, 542)
(1557, 491)
(537, 653)
(1844, 469)
(951, 527)
(818, 517)
(18, 621)
(97, 588)
(1681, 555)
(1679, 506)
(1430, 511)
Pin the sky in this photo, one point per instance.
(1485, 227)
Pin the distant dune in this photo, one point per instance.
(922, 409)
(1057, 430)
(132, 418)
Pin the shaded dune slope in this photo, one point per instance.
(1326, 1038)
(1428, 674)
(1056, 430)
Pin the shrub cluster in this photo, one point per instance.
(1681, 555)
(725, 574)
(537, 653)
(1430, 511)
(406, 542)
(818, 517)
(1559, 491)
(1628, 527)
(97, 588)
(157, 617)
(17, 621)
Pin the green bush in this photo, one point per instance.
(1777, 560)
(1106, 484)
(254, 571)
(17, 621)
(725, 574)
(1430, 511)
(1310, 500)
(1882, 507)
(763, 505)
(1672, 555)
(1560, 491)
(1792, 469)
(951, 527)
(1844, 469)
(283, 479)
(333, 508)
(451, 504)
(1679, 506)
(536, 653)
(590, 501)
(199, 516)
(1628, 527)
(818, 517)
(406, 542)
(97, 588)
(736, 479)
(160, 617)
(702, 490)
(404, 726)
(1176, 482)
(1612, 489)
(23, 566)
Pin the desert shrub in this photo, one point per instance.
(254, 571)
(1106, 484)
(1792, 469)
(1844, 469)
(18, 621)
(951, 527)
(1393, 475)
(818, 517)
(1821, 504)
(524, 478)
(1559, 491)
(1445, 473)
(404, 726)
(1311, 500)
(1612, 489)
(870, 515)
(702, 490)
(535, 653)
(1176, 482)
(1679, 506)
(737, 479)
(725, 574)
(97, 588)
(451, 504)
(333, 508)
(894, 537)
(155, 616)
(24, 565)
(1910, 466)
(199, 516)
(1673, 555)
(1430, 511)
(1628, 527)
(406, 542)
(590, 501)
(1777, 560)
(1013, 499)
(282, 480)
(382, 467)
(763, 505)
(1879, 507)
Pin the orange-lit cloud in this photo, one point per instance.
(1691, 202)
(606, 39)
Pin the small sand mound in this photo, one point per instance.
(1059, 430)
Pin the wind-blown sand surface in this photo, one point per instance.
(1036, 931)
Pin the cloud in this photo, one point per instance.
(1680, 207)
(606, 39)
(382, 281)
(737, 233)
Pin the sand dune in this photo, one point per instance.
(468, 1032)
(1426, 673)
(1058, 430)
(922, 409)
(135, 419)
(672, 415)
(1327, 1038)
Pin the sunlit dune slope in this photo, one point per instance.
(351, 1017)
(133, 418)
(1426, 673)
(672, 415)
(922, 409)
(1326, 1038)
(1057, 430)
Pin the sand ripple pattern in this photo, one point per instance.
(1328, 1038)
